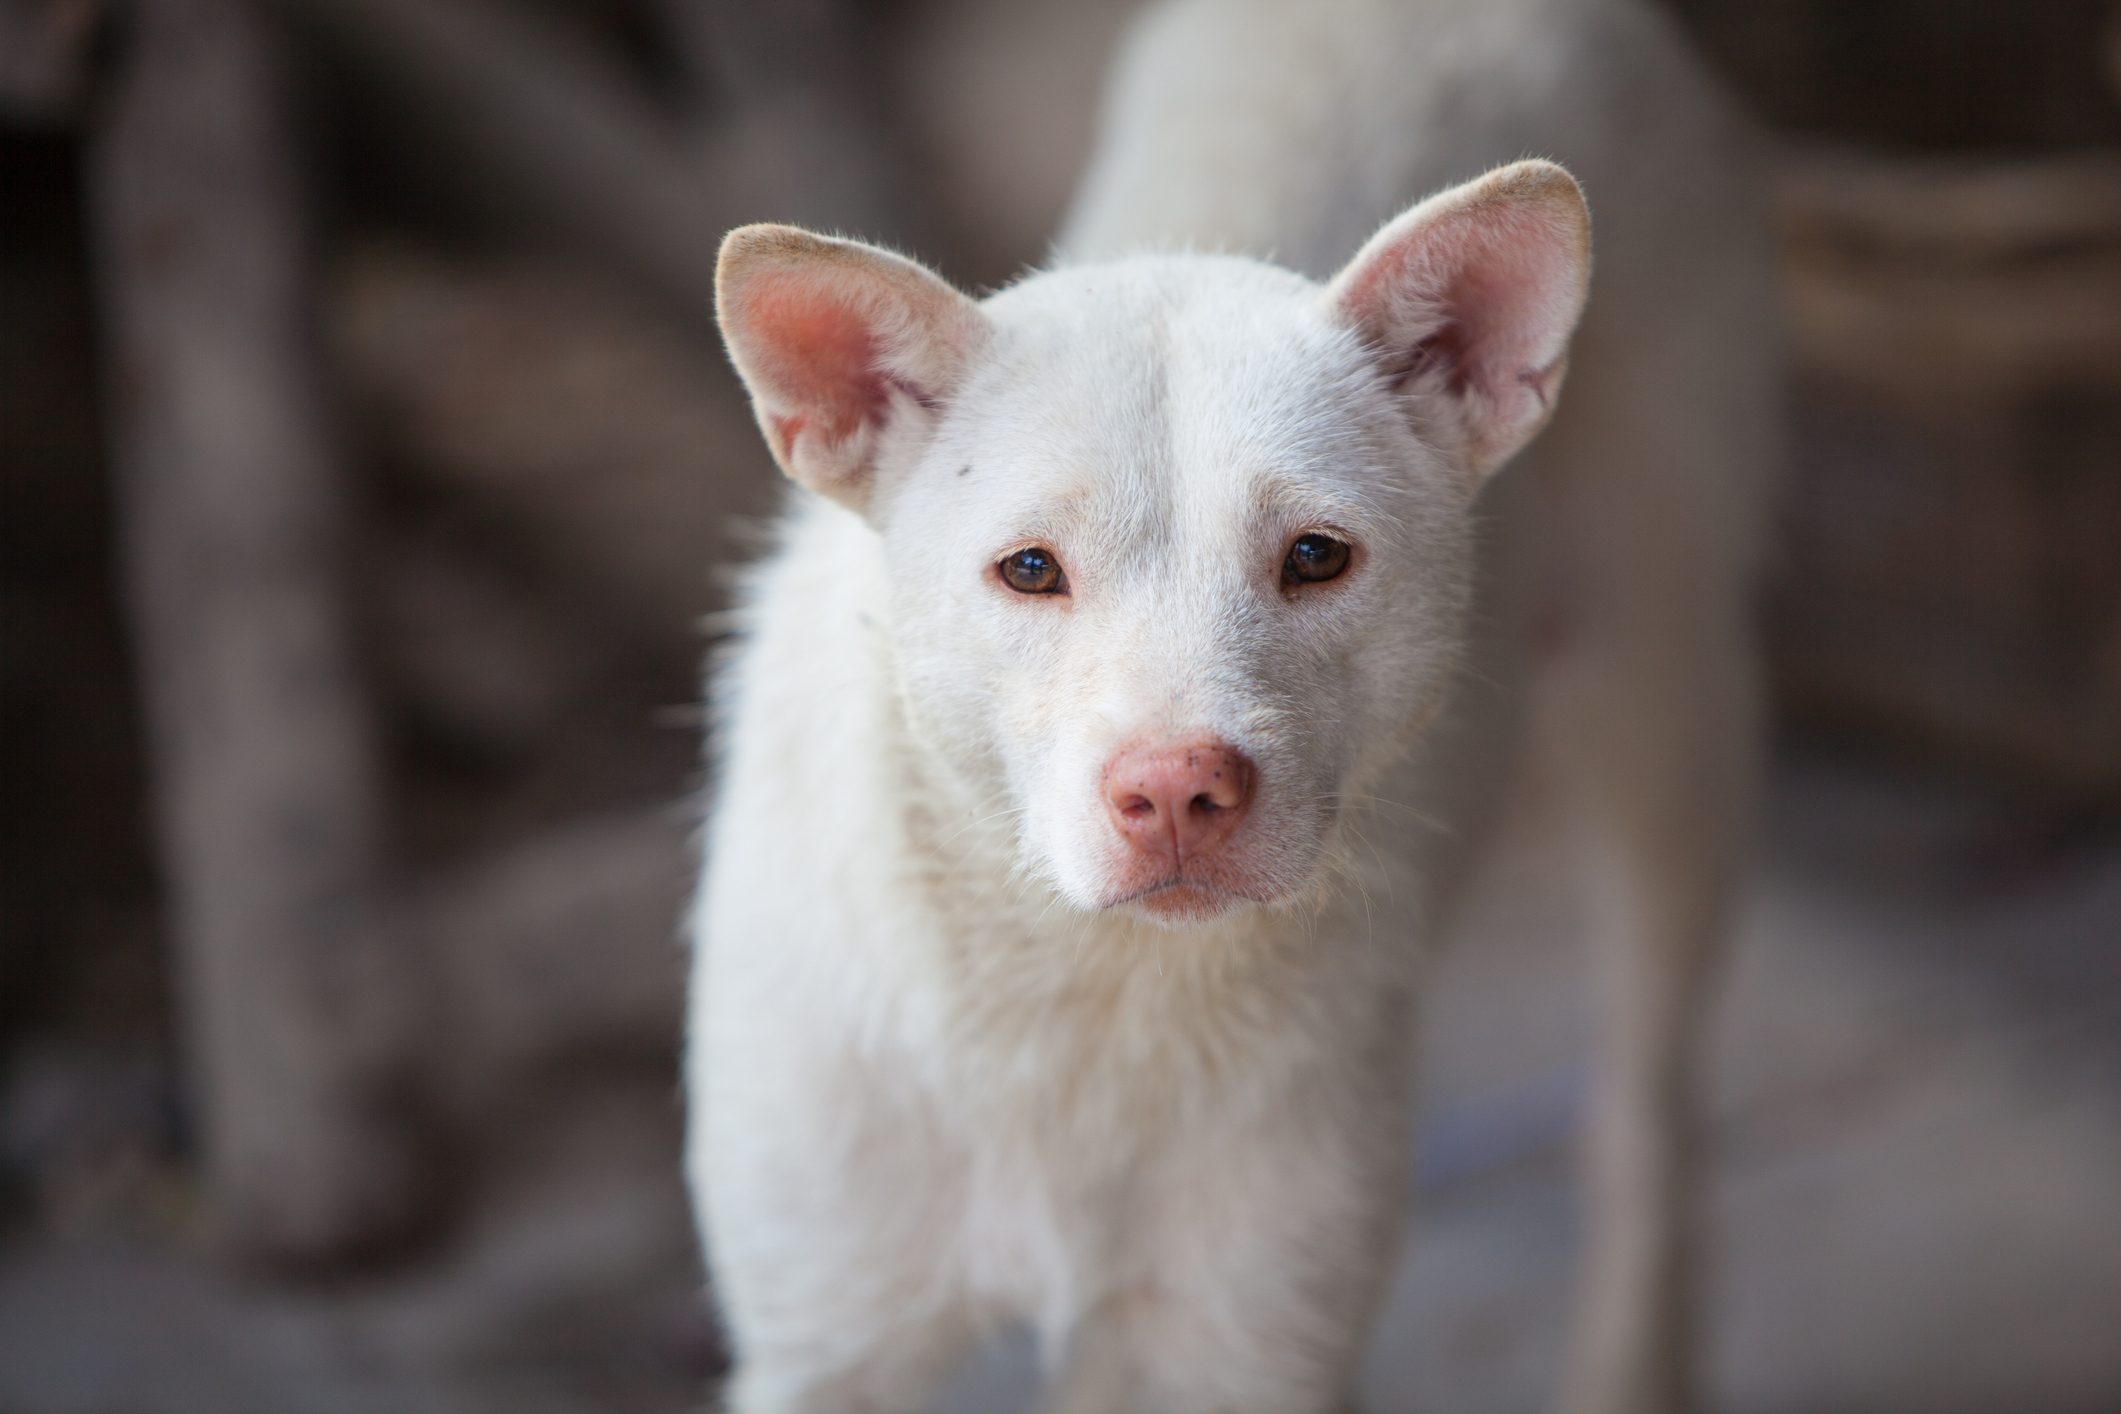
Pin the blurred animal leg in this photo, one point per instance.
(1656, 738)
(1132, 1362)
(1264, 1273)
(893, 1368)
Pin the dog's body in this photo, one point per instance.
(1060, 946)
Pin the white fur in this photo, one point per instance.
(935, 1081)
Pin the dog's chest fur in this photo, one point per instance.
(941, 951)
(1036, 1071)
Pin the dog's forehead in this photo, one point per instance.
(1196, 386)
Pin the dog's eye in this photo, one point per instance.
(1313, 559)
(1033, 571)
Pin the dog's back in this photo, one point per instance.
(1293, 131)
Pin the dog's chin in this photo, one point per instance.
(1188, 901)
(1203, 891)
(1180, 903)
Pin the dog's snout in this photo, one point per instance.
(1177, 802)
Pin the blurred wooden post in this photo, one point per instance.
(297, 1016)
(551, 128)
(44, 57)
(539, 121)
(796, 113)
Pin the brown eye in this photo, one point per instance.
(1314, 559)
(1033, 571)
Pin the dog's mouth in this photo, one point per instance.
(1180, 899)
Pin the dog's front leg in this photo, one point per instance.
(830, 1212)
(1143, 1353)
(1256, 1284)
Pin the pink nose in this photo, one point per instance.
(1177, 802)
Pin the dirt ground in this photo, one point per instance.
(1917, 1127)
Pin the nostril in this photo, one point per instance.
(1177, 803)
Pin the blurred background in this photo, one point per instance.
(368, 463)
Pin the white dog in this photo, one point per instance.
(1147, 657)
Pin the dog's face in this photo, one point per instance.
(1179, 547)
(1174, 513)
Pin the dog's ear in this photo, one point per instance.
(1472, 295)
(843, 347)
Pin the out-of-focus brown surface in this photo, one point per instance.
(504, 212)
(1951, 580)
(1950, 200)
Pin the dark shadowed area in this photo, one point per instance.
(370, 473)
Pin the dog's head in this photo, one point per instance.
(1179, 547)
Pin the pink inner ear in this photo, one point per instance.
(1482, 288)
(819, 356)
